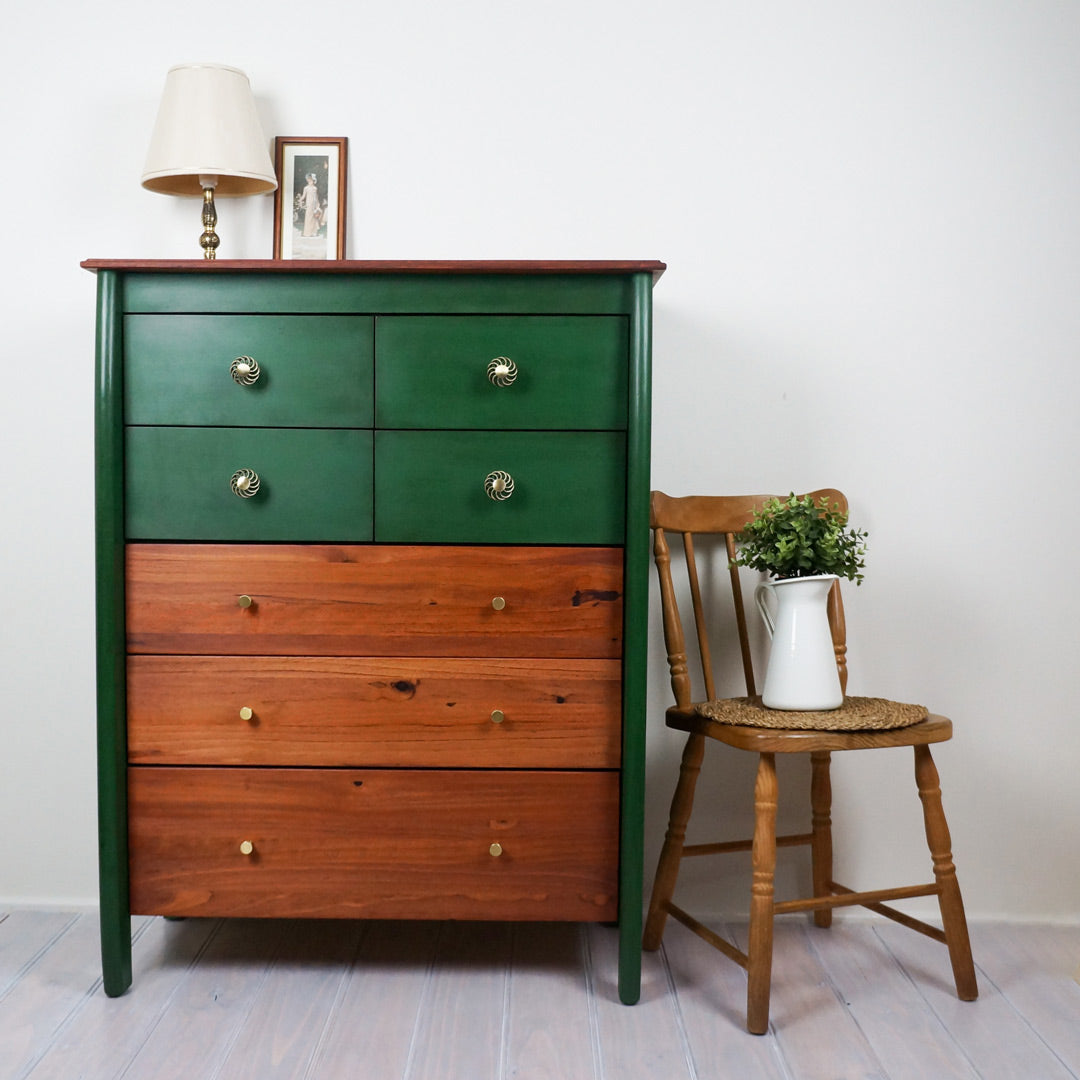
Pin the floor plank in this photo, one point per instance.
(999, 1042)
(907, 1038)
(283, 1031)
(211, 1004)
(645, 1041)
(711, 992)
(105, 1034)
(227, 999)
(460, 1031)
(24, 937)
(375, 1020)
(1032, 968)
(816, 1034)
(551, 1031)
(49, 990)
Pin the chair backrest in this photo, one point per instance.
(718, 515)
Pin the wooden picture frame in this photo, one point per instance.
(309, 204)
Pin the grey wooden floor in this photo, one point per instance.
(467, 1001)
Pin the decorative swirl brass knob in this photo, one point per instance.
(499, 485)
(246, 847)
(495, 850)
(245, 371)
(497, 716)
(502, 371)
(245, 483)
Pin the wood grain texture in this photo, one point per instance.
(461, 1032)
(211, 1005)
(991, 1033)
(885, 1003)
(373, 1025)
(279, 1037)
(383, 266)
(543, 1039)
(225, 998)
(38, 1002)
(374, 600)
(647, 1041)
(397, 711)
(1030, 967)
(105, 1034)
(374, 843)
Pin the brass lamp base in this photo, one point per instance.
(209, 239)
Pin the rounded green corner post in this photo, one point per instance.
(635, 638)
(111, 696)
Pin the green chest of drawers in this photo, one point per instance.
(372, 592)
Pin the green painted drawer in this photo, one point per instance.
(314, 370)
(432, 371)
(568, 487)
(314, 484)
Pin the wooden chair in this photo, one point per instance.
(726, 516)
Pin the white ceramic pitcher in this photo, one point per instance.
(801, 674)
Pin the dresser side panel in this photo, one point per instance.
(635, 641)
(111, 690)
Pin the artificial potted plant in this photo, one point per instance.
(805, 546)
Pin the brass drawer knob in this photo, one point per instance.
(499, 485)
(497, 716)
(246, 713)
(245, 483)
(246, 847)
(502, 371)
(245, 601)
(498, 603)
(495, 850)
(245, 371)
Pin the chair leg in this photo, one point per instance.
(759, 950)
(667, 869)
(950, 901)
(821, 824)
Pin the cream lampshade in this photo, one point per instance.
(207, 138)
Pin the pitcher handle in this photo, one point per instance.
(766, 587)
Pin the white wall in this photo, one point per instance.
(871, 216)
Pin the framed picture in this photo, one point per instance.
(309, 204)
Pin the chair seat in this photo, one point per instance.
(933, 729)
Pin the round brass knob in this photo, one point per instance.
(244, 601)
(246, 847)
(498, 603)
(495, 850)
(499, 485)
(245, 371)
(497, 716)
(244, 483)
(502, 371)
(246, 713)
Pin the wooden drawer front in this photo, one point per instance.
(374, 843)
(313, 485)
(374, 600)
(349, 711)
(569, 487)
(314, 370)
(570, 371)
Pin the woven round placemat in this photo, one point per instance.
(856, 714)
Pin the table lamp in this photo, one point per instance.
(207, 137)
